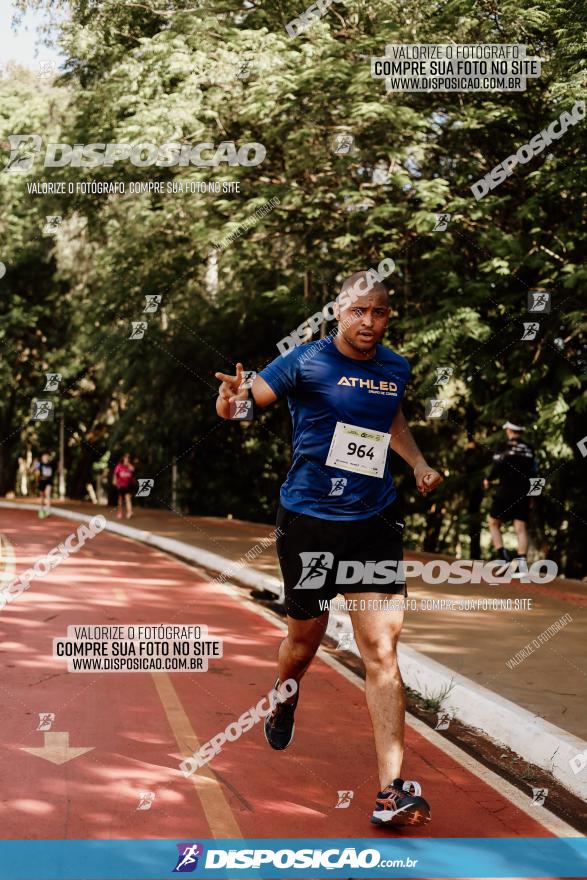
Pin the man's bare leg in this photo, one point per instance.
(299, 647)
(495, 532)
(296, 652)
(377, 633)
(522, 536)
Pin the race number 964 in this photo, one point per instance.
(361, 451)
(358, 449)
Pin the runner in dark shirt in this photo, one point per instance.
(45, 471)
(514, 464)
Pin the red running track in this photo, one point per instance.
(140, 725)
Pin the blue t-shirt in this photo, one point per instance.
(324, 387)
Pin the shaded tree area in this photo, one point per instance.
(159, 72)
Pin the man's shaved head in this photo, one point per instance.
(357, 285)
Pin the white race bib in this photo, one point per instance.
(359, 450)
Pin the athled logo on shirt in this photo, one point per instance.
(377, 387)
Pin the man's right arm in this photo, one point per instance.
(263, 394)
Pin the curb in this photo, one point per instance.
(533, 738)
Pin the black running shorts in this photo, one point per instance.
(320, 558)
(510, 504)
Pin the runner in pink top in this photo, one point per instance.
(123, 479)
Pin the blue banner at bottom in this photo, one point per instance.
(520, 857)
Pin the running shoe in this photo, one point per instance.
(396, 806)
(520, 567)
(279, 725)
(503, 568)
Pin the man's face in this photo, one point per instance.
(45, 458)
(513, 435)
(362, 323)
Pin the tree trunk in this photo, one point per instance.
(433, 526)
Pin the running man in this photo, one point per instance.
(316, 568)
(45, 471)
(338, 501)
(123, 479)
(513, 465)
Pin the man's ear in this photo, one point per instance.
(336, 311)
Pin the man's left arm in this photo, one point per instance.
(402, 442)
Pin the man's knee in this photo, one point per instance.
(379, 654)
(304, 641)
(493, 521)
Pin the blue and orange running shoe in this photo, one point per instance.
(396, 806)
